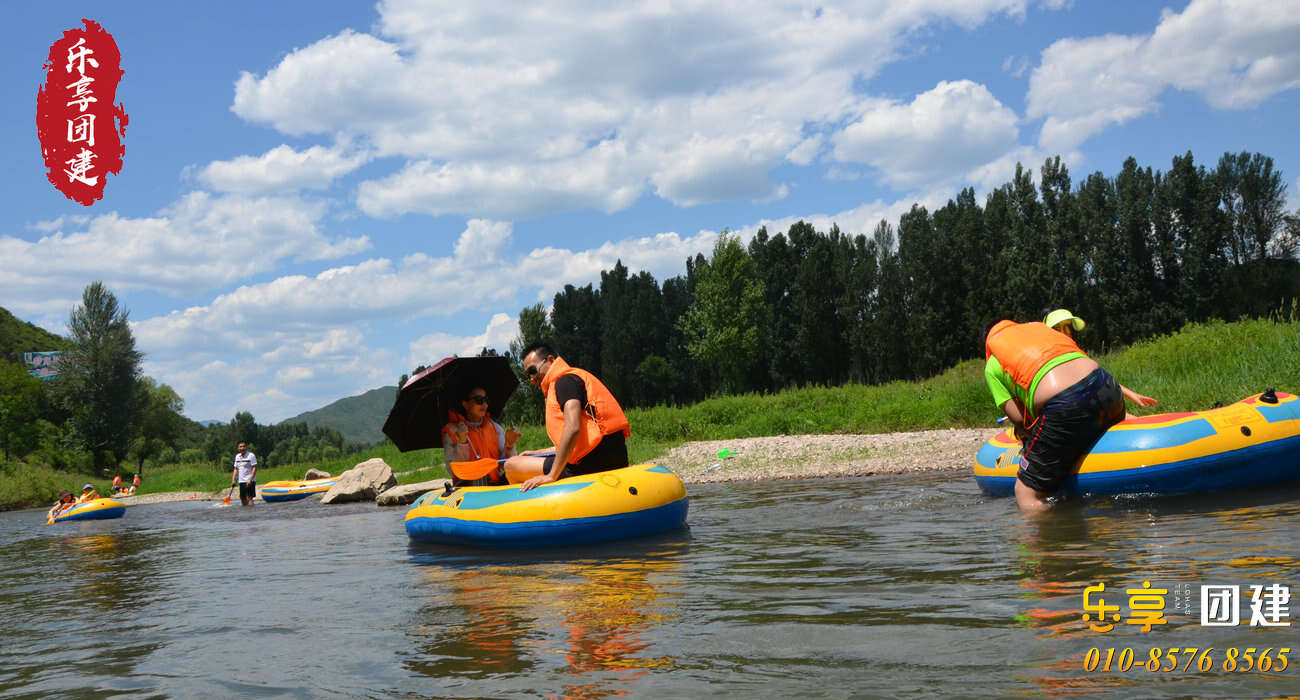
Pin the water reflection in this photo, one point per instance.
(1124, 542)
(587, 623)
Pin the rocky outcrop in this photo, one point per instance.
(407, 493)
(315, 474)
(361, 483)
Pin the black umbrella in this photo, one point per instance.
(420, 411)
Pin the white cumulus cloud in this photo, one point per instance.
(199, 243)
(514, 112)
(943, 133)
(281, 168)
(1234, 53)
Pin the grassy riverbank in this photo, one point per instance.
(1189, 370)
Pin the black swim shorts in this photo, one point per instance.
(247, 490)
(609, 453)
(1070, 423)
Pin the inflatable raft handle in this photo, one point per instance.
(1269, 396)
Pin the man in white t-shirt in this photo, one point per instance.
(245, 472)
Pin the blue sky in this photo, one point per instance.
(318, 196)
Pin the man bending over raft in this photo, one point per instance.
(583, 420)
(1058, 399)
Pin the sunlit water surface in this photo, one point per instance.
(884, 586)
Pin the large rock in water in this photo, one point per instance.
(362, 482)
(315, 474)
(407, 493)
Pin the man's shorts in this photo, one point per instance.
(609, 453)
(1070, 424)
(247, 490)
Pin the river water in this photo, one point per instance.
(912, 585)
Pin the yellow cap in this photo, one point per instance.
(1060, 316)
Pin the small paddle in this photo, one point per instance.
(226, 501)
(480, 468)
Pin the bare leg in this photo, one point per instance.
(1031, 501)
(521, 468)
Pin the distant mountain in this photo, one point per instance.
(18, 336)
(210, 422)
(359, 419)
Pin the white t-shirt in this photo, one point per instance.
(245, 463)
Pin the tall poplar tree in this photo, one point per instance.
(99, 375)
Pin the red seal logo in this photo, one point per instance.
(79, 126)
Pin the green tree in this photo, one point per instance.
(1200, 235)
(1253, 195)
(20, 407)
(633, 326)
(724, 323)
(887, 313)
(576, 326)
(655, 382)
(98, 377)
(526, 404)
(161, 421)
(689, 380)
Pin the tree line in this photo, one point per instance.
(103, 414)
(1136, 254)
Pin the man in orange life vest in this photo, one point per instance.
(1059, 400)
(582, 418)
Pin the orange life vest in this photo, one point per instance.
(87, 496)
(484, 439)
(117, 481)
(600, 417)
(1023, 348)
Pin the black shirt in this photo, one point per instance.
(570, 387)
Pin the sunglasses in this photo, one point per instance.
(480, 400)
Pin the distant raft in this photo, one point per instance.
(275, 491)
(629, 502)
(97, 509)
(1253, 442)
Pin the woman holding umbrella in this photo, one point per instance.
(471, 434)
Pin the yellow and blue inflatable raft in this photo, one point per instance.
(275, 491)
(97, 509)
(629, 502)
(1253, 442)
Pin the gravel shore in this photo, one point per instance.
(781, 457)
(807, 456)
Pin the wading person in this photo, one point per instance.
(245, 472)
(1058, 399)
(583, 420)
(1062, 321)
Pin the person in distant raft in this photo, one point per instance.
(1058, 399)
(1062, 321)
(135, 484)
(583, 419)
(245, 472)
(66, 501)
(117, 485)
(472, 434)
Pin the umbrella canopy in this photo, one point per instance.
(416, 419)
